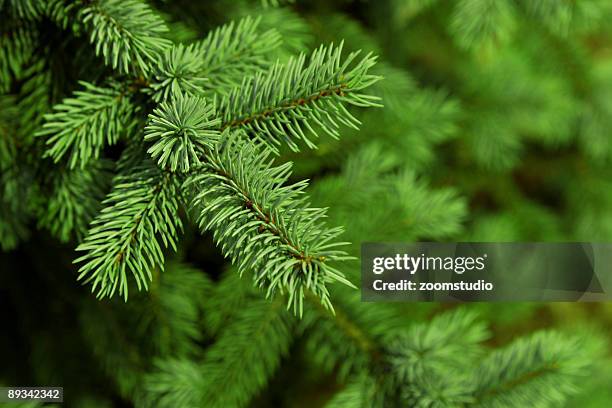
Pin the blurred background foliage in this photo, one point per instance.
(496, 127)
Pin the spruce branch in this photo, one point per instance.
(246, 355)
(74, 199)
(181, 129)
(483, 22)
(63, 13)
(516, 375)
(429, 360)
(231, 294)
(8, 137)
(24, 9)
(17, 43)
(80, 126)
(169, 314)
(178, 70)
(139, 219)
(342, 343)
(263, 225)
(127, 33)
(237, 366)
(356, 341)
(175, 383)
(295, 31)
(34, 99)
(449, 342)
(399, 364)
(353, 395)
(161, 323)
(563, 17)
(282, 104)
(435, 213)
(233, 50)
(438, 390)
(16, 185)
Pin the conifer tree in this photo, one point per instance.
(166, 148)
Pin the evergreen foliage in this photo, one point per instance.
(277, 105)
(74, 199)
(138, 220)
(264, 224)
(181, 129)
(152, 135)
(128, 34)
(81, 126)
(233, 50)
